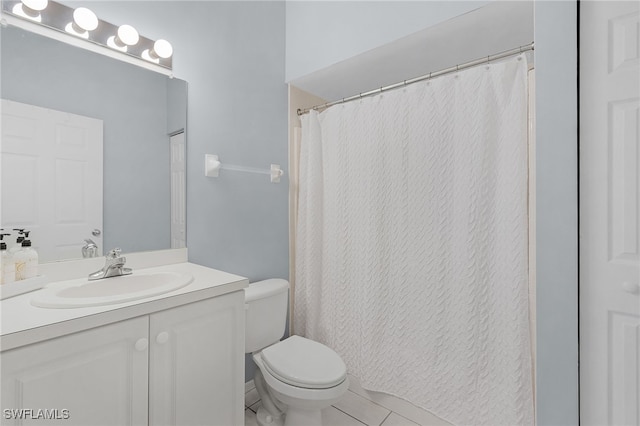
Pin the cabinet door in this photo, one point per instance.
(95, 377)
(197, 363)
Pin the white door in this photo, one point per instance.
(609, 213)
(51, 178)
(99, 376)
(178, 189)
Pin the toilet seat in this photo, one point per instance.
(304, 363)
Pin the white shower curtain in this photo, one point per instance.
(411, 249)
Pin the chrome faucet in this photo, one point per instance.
(113, 267)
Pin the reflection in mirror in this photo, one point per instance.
(92, 149)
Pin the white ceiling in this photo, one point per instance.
(496, 27)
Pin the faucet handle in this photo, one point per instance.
(90, 249)
(115, 253)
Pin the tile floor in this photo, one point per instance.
(356, 408)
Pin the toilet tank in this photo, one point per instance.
(266, 313)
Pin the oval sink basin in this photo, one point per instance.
(108, 291)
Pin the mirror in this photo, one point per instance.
(140, 110)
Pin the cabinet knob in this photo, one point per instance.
(142, 344)
(162, 338)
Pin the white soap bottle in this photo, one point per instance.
(18, 244)
(26, 260)
(7, 265)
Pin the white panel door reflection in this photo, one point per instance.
(51, 178)
(178, 191)
(610, 213)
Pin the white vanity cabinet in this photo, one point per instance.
(178, 366)
(97, 375)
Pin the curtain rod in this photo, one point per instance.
(455, 68)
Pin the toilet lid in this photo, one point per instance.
(304, 363)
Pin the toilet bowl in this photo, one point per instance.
(296, 378)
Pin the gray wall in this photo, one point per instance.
(557, 212)
(131, 102)
(232, 55)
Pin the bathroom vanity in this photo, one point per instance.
(174, 358)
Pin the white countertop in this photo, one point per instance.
(22, 323)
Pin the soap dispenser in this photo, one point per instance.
(7, 265)
(18, 245)
(26, 260)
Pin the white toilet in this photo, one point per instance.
(297, 377)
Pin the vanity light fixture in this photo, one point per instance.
(81, 27)
(84, 20)
(125, 37)
(162, 49)
(30, 9)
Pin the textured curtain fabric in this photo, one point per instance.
(411, 244)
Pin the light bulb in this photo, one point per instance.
(38, 5)
(162, 49)
(126, 36)
(84, 20)
(30, 9)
